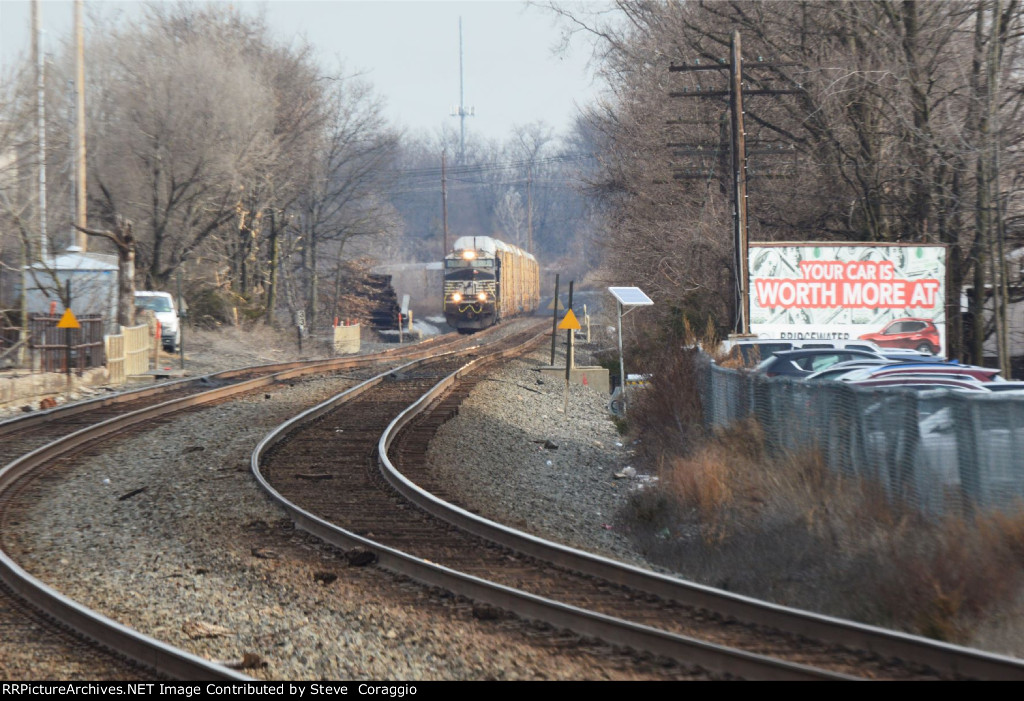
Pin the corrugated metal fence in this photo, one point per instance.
(942, 451)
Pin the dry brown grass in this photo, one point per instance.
(786, 528)
(235, 346)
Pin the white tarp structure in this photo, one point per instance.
(93, 278)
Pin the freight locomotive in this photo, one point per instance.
(487, 280)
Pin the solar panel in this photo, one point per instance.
(630, 296)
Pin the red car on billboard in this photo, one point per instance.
(917, 334)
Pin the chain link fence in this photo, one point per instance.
(942, 451)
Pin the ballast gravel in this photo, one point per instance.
(169, 533)
(520, 454)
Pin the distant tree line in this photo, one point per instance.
(247, 169)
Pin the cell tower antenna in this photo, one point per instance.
(460, 110)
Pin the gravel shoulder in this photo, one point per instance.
(514, 456)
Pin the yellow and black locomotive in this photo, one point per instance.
(487, 280)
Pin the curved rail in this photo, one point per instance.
(724, 659)
(154, 654)
(300, 367)
(957, 660)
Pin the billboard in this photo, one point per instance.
(893, 295)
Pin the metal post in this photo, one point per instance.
(554, 321)
(181, 325)
(67, 340)
(569, 360)
(622, 364)
(568, 354)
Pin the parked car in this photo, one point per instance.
(921, 382)
(976, 372)
(840, 369)
(916, 334)
(754, 350)
(801, 363)
(162, 305)
(1006, 386)
(911, 356)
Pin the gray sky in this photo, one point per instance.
(408, 49)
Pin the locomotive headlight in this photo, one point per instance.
(456, 296)
(468, 255)
(482, 296)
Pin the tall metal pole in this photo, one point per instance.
(739, 169)
(80, 191)
(461, 111)
(462, 103)
(37, 48)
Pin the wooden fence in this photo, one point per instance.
(128, 353)
(52, 348)
(114, 346)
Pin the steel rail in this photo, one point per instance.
(954, 659)
(660, 642)
(154, 654)
(423, 349)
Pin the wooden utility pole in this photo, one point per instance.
(529, 208)
(275, 256)
(738, 149)
(444, 201)
(739, 173)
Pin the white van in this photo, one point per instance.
(162, 305)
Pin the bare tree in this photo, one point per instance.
(888, 135)
(340, 202)
(123, 240)
(180, 125)
(511, 215)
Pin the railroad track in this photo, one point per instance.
(37, 621)
(399, 515)
(507, 597)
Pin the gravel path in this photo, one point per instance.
(203, 560)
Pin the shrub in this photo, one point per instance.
(788, 529)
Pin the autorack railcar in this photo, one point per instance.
(487, 280)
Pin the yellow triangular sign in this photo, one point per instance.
(569, 322)
(68, 321)
(554, 301)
